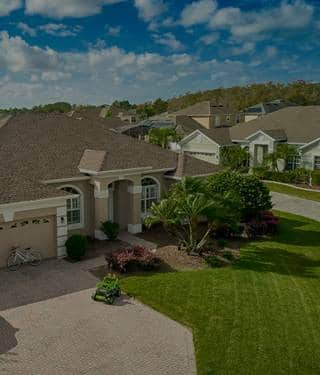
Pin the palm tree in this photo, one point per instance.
(191, 212)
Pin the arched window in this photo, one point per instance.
(74, 207)
(150, 194)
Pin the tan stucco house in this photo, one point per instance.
(299, 126)
(61, 175)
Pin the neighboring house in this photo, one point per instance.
(264, 108)
(128, 116)
(61, 175)
(298, 126)
(209, 115)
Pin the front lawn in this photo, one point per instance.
(284, 189)
(259, 316)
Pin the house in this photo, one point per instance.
(263, 108)
(209, 115)
(126, 115)
(62, 175)
(299, 126)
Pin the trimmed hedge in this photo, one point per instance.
(296, 176)
(76, 246)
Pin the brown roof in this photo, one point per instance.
(205, 108)
(37, 147)
(92, 160)
(299, 124)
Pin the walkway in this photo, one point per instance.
(49, 325)
(295, 205)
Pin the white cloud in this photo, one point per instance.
(26, 29)
(55, 76)
(60, 30)
(149, 9)
(288, 16)
(271, 51)
(113, 31)
(16, 55)
(210, 38)
(67, 8)
(8, 6)
(247, 47)
(168, 40)
(198, 12)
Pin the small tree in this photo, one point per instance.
(187, 203)
(162, 136)
(235, 157)
(283, 152)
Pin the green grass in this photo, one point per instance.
(259, 316)
(311, 195)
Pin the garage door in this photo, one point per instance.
(38, 233)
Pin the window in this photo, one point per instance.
(73, 207)
(150, 194)
(317, 163)
(294, 162)
(228, 117)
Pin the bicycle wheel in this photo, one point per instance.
(35, 258)
(13, 262)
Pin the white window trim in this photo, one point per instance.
(81, 224)
(157, 183)
(314, 162)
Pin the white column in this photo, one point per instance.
(62, 231)
(135, 225)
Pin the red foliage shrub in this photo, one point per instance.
(134, 256)
(263, 224)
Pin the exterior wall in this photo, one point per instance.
(260, 140)
(248, 118)
(88, 208)
(308, 155)
(203, 121)
(35, 228)
(202, 148)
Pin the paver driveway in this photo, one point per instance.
(55, 328)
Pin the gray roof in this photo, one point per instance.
(37, 147)
(298, 124)
(206, 108)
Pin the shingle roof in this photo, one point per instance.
(264, 108)
(300, 124)
(37, 147)
(205, 108)
(92, 160)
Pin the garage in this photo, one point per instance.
(37, 232)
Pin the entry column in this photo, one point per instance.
(135, 224)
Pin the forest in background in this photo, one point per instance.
(237, 97)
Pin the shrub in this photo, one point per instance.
(263, 224)
(222, 243)
(213, 261)
(296, 176)
(76, 246)
(316, 177)
(110, 229)
(107, 290)
(254, 196)
(137, 256)
(228, 255)
(225, 231)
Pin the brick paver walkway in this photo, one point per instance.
(50, 326)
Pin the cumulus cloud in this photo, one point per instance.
(67, 8)
(210, 38)
(113, 30)
(26, 29)
(8, 6)
(168, 40)
(198, 12)
(247, 47)
(149, 9)
(60, 30)
(288, 16)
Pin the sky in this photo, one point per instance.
(96, 51)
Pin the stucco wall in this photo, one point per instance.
(203, 121)
(87, 191)
(308, 155)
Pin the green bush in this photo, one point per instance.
(110, 229)
(228, 255)
(76, 246)
(222, 243)
(253, 195)
(316, 177)
(296, 176)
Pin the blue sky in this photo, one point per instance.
(97, 51)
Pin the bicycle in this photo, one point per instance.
(20, 256)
